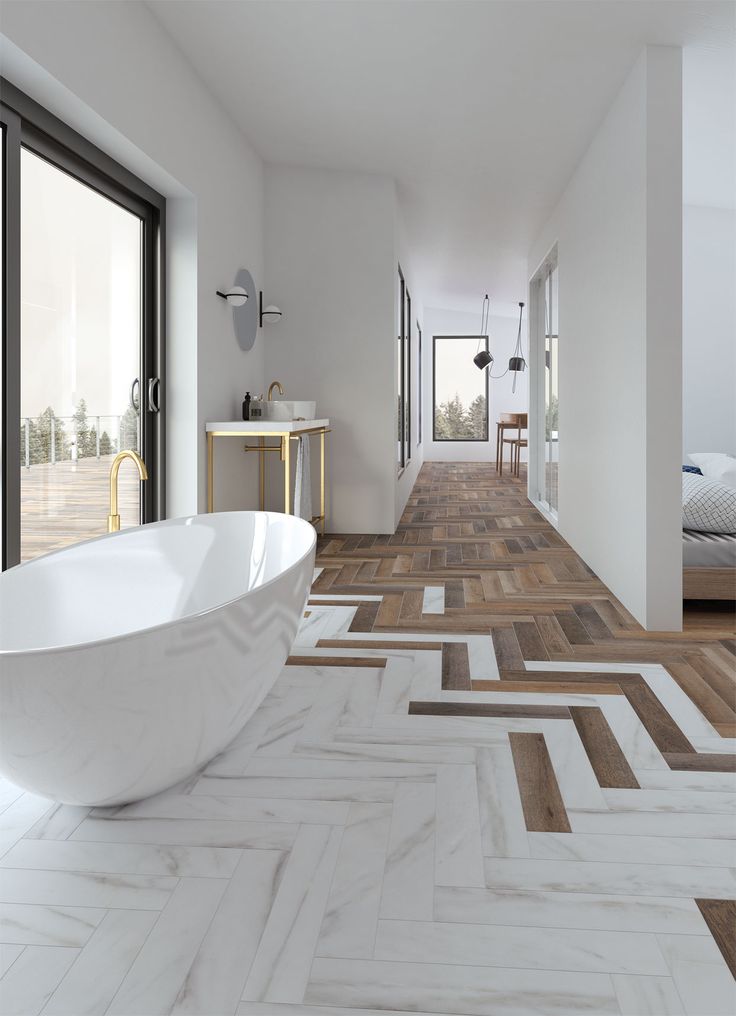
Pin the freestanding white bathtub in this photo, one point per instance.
(129, 661)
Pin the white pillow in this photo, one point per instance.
(708, 506)
(716, 466)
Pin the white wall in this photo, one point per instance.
(330, 265)
(502, 331)
(618, 230)
(113, 74)
(709, 329)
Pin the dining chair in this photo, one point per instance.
(506, 421)
(516, 443)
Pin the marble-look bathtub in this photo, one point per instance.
(129, 661)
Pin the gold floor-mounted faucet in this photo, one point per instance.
(275, 384)
(113, 519)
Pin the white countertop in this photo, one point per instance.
(265, 426)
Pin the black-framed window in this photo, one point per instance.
(407, 379)
(459, 389)
(403, 374)
(420, 393)
(83, 334)
(400, 372)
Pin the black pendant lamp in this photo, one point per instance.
(483, 358)
(517, 362)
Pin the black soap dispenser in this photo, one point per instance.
(246, 406)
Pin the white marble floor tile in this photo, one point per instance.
(189, 833)
(350, 769)
(215, 980)
(647, 996)
(155, 978)
(397, 684)
(433, 601)
(19, 817)
(328, 707)
(472, 991)
(394, 750)
(279, 1009)
(652, 823)
(349, 923)
(637, 849)
(233, 760)
(459, 852)
(502, 826)
(426, 682)
(58, 823)
(31, 980)
(36, 924)
(408, 879)
(609, 877)
(558, 909)
(123, 858)
(287, 718)
(577, 781)
(209, 808)
(85, 889)
(691, 802)
(672, 779)
(281, 967)
(482, 658)
(96, 974)
(362, 698)
(306, 789)
(8, 794)
(515, 946)
(8, 955)
(701, 976)
(716, 745)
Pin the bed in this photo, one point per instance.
(709, 565)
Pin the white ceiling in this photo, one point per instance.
(479, 110)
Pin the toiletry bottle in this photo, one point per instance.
(246, 406)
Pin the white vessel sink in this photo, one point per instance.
(289, 409)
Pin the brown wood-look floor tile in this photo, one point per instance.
(659, 724)
(606, 758)
(488, 709)
(365, 616)
(720, 916)
(541, 800)
(455, 666)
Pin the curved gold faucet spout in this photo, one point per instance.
(275, 384)
(113, 519)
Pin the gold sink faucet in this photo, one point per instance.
(275, 384)
(113, 519)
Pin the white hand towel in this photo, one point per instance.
(303, 483)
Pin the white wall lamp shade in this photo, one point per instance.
(269, 313)
(235, 296)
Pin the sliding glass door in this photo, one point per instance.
(551, 391)
(82, 337)
(544, 403)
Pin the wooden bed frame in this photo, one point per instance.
(709, 583)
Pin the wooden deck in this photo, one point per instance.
(69, 501)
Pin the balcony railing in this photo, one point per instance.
(48, 439)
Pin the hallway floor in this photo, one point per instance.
(478, 787)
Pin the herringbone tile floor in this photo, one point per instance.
(477, 787)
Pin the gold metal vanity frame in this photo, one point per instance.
(284, 449)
